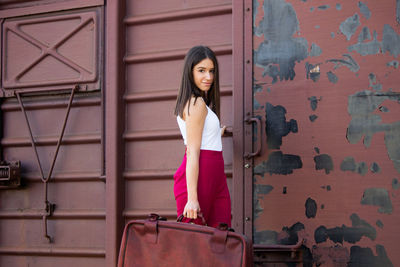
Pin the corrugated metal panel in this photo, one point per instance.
(158, 36)
(76, 187)
(326, 85)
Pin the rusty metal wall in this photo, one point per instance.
(158, 35)
(47, 49)
(326, 86)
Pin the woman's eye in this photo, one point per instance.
(212, 71)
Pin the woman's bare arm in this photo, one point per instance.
(194, 130)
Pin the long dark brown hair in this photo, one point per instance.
(188, 87)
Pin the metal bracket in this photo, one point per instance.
(49, 207)
(10, 174)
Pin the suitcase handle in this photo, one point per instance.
(199, 215)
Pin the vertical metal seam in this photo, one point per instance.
(238, 134)
(248, 111)
(114, 118)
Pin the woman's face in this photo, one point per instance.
(203, 74)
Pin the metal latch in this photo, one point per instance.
(10, 174)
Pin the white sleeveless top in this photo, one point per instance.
(211, 137)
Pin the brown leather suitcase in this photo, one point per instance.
(155, 242)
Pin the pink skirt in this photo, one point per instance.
(212, 189)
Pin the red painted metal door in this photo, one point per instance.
(326, 88)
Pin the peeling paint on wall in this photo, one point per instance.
(323, 7)
(395, 184)
(365, 123)
(279, 163)
(328, 187)
(349, 164)
(263, 189)
(266, 237)
(348, 61)
(279, 51)
(391, 41)
(256, 105)
(349, 26)
(383, 109)
(365, 257)
(315, 50)
(331, 256)
(375, 167)
(366, 48)
(351, 234)
(288, 236)
(364, 35)
(373, 82)
(392, 142)
(398, 11)
(312, 71)
(313, 117)
(259, 192)
(314, 102)
(292, 234)
(255, 12)
(323, 162)
(393, 63)
(332, 77)
(311, 208)
(378, 197)
(364, 10)
(257, 209)
(356, 44)
(276, 125)
(257, 87)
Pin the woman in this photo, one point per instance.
(200, 182)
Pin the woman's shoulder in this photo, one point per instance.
(197, 101)
(197, 107)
